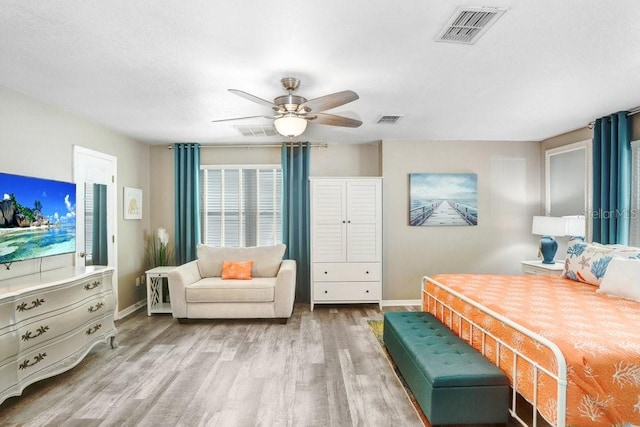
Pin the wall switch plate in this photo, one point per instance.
(137, 281)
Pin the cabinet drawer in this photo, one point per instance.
(63, 322)
(40, 302)
(341, 291)
(40, 361)
(9, 379)
(346, 272)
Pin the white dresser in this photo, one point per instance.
(346, 240)
(50, 321)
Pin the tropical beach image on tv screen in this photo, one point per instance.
(37, 217)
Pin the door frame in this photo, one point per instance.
(85, 159)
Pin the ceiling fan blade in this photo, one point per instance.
(242, 118)
(254, 98)
(328, 102)
(332, 120)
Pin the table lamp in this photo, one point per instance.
(576, 226)
(548, 227)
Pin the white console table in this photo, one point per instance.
(50, 321)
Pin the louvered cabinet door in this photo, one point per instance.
(328, 219)
(364, 226)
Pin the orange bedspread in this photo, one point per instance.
(598, 335)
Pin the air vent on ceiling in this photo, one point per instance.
(469, 23)
(256, 130)
(388, 119)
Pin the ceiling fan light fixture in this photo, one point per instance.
(290, 125)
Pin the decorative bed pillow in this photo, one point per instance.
(240, 270)
(587, 262)
(622, 279)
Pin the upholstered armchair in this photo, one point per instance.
(204, 288)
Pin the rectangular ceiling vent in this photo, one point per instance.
(389, 119)
(469, 23)
(256, 130)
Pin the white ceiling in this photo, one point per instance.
(158, 70)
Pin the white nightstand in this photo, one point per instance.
(155, 294)
(537, 267)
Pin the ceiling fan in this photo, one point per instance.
(293, 112)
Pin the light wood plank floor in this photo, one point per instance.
(323, 368)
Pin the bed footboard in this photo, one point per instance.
(446, 313)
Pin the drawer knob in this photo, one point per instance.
(326, 292)
(367, 291)
(367, 272)
(325, 272)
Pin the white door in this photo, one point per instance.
(93, 167)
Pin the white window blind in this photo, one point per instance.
(241, 206)
(634, 226)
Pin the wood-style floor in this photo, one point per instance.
(323, 368)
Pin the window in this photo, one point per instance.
(241, 206)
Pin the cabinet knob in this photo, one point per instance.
(366, 272)
(349, 222)
(326, 292)
(325, 272)
(344, 222)
(367, 291)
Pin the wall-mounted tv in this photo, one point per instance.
(37, 217)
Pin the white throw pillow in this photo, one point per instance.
(622, 278)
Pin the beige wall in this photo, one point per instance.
(37, 140)
(508, 197)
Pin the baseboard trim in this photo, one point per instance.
(131, 309)
(400, 302)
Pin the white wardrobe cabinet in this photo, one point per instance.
(346, 240)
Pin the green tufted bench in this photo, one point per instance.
(453, 382)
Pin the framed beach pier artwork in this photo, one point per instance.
(440, 199)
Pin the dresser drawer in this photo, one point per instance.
(41, 302)
(63, 322)
(353, 291)
(346, 272)
(66, 352)
(8, 377)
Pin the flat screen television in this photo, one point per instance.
(37, 217)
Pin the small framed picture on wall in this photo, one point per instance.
(132, 203)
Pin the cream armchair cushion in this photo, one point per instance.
(266, 259)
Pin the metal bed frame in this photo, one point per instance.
(438, 308)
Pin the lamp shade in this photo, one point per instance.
(549, 226)
(290, 125)
(576, 226)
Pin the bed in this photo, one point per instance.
(572, 352)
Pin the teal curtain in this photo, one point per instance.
(612, 179)
(187, 201)
(100, 249)
(295, 213)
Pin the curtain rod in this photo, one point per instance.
(289, 144)
(631, 112)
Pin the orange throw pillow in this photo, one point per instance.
(240, 270)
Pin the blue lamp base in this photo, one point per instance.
(548, 248)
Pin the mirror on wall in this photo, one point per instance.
(95, 222)
(568, 180)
